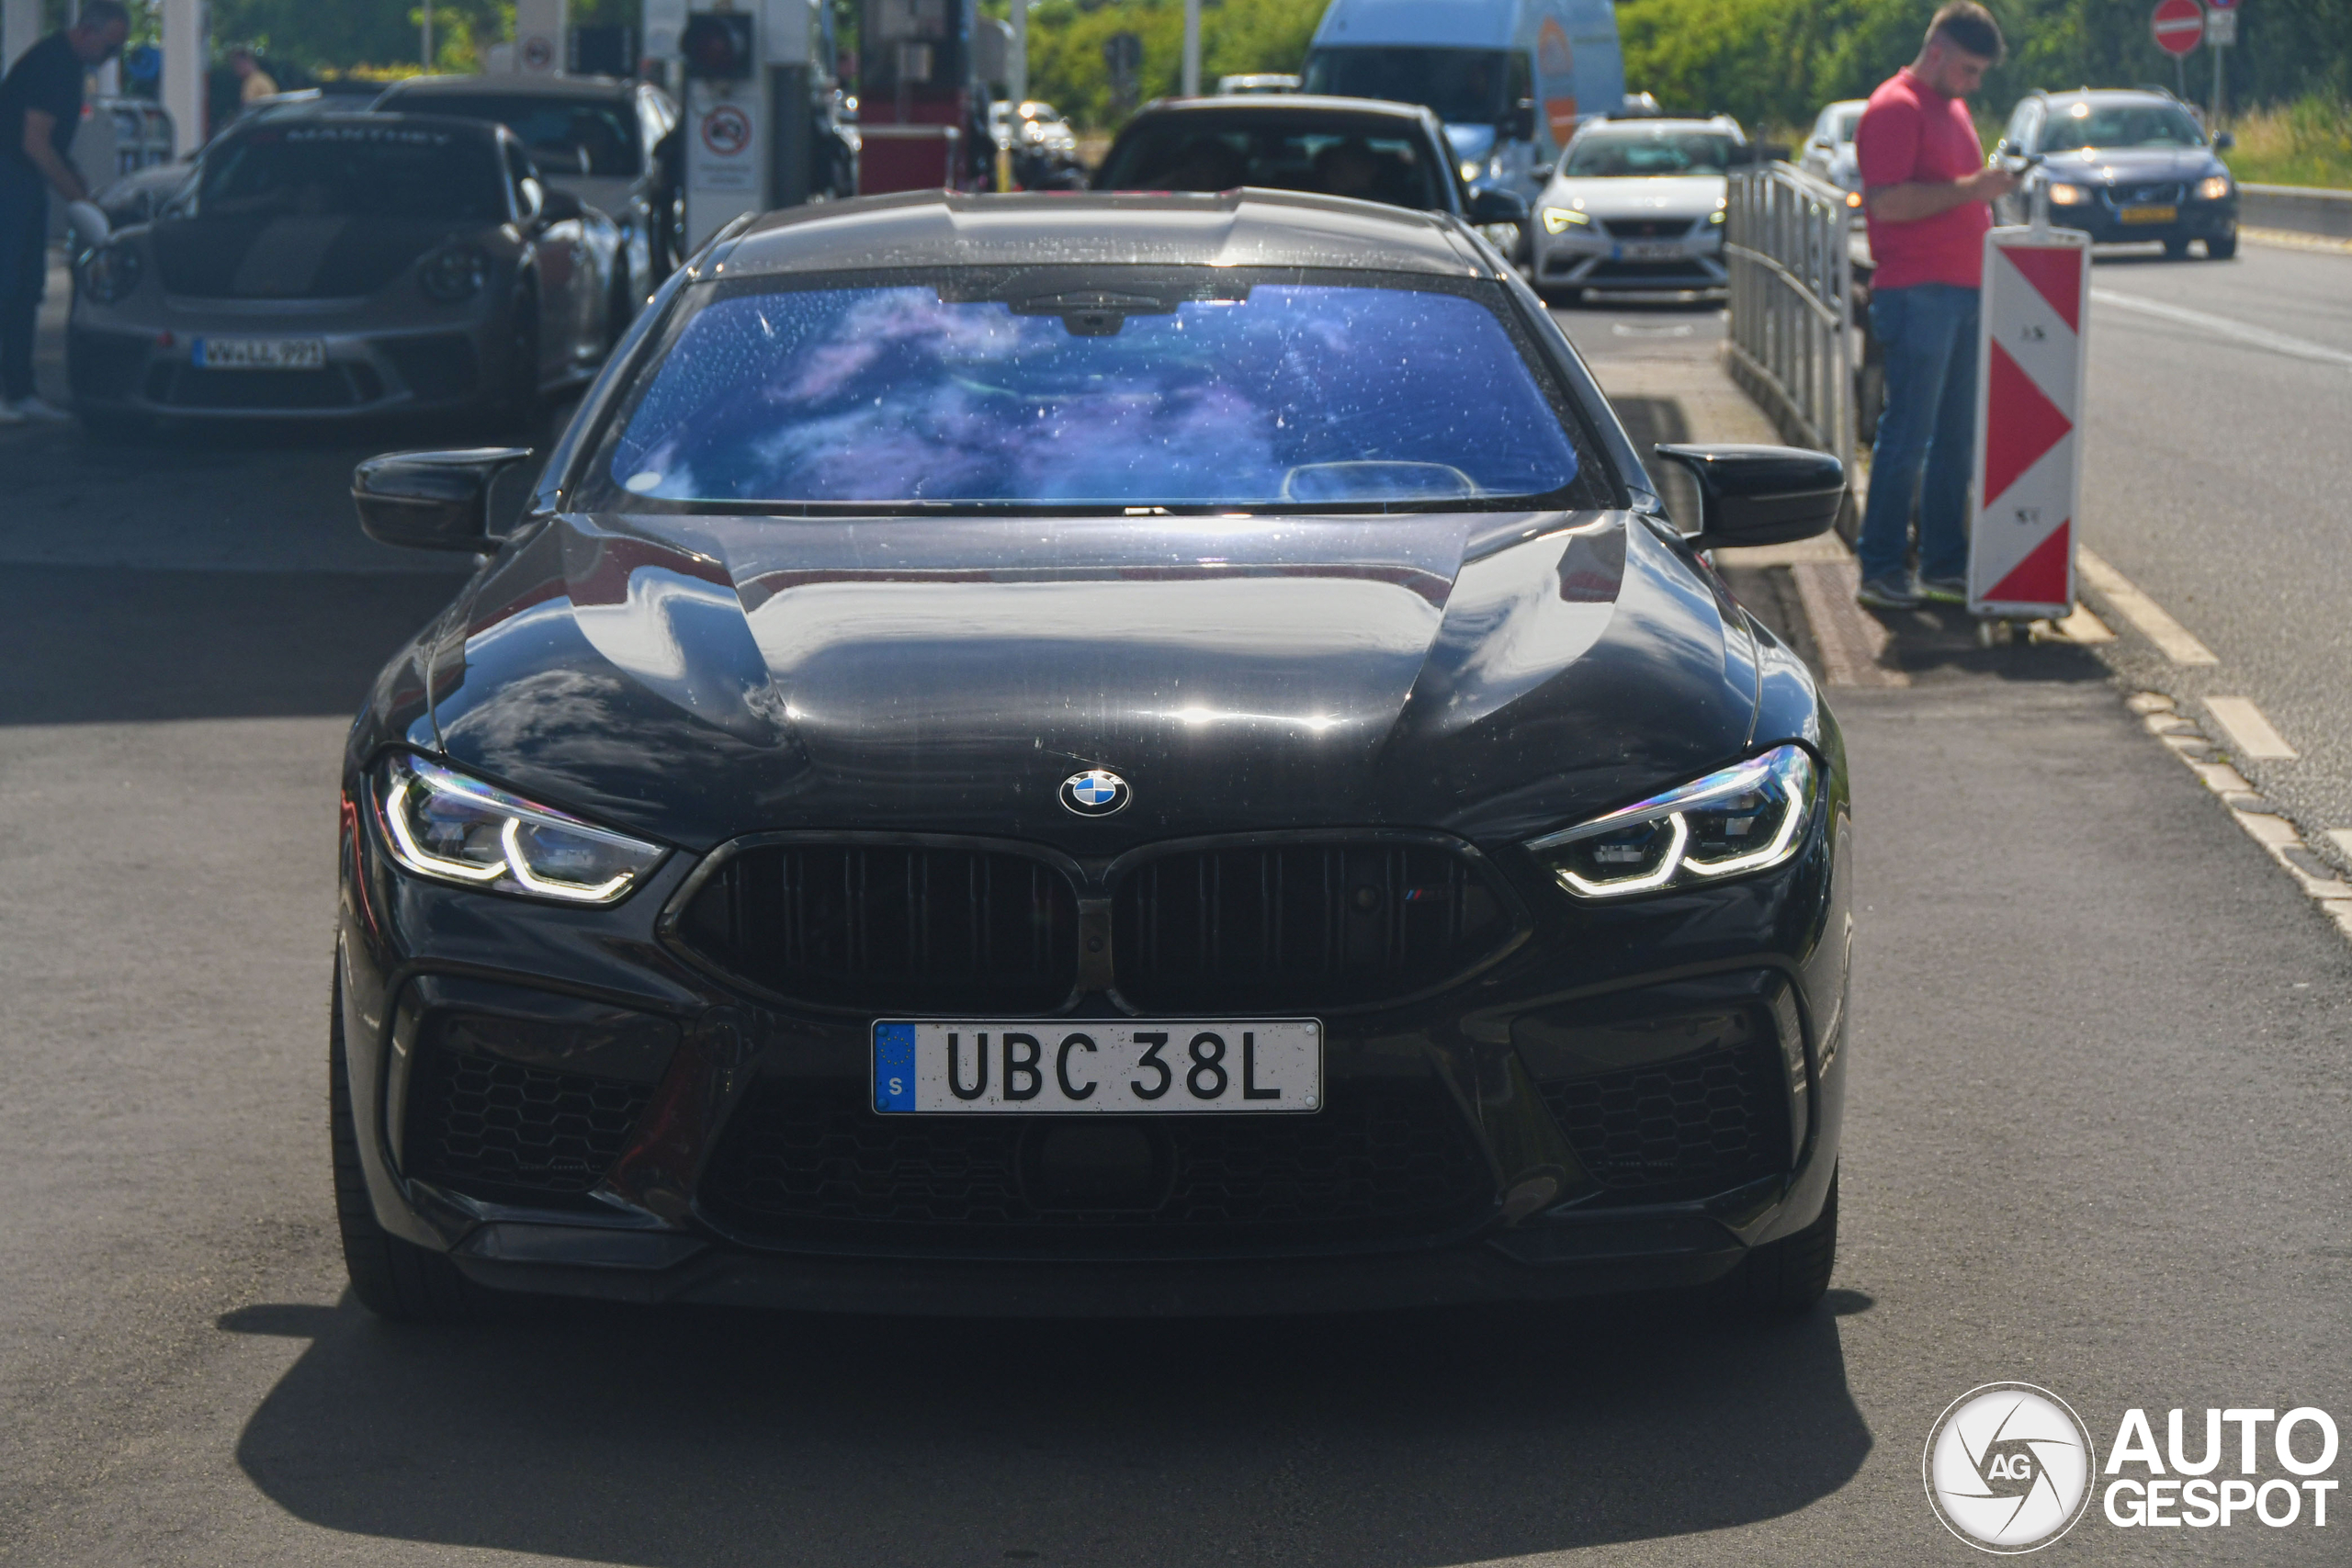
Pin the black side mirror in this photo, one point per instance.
(1497, 207)
(558, 206)
(431, 501)
(2224, 142)
(1761, 495)
(1518, 123)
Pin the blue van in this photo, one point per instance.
(1511, 79)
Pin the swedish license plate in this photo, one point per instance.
(260, 353)
(1652, 251)
(1129, 1067)
(2148, 214)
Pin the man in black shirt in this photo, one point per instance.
(41, 108)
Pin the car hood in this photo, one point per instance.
(694, 678)
(2132, 165)
(1691, 194)
(290, 258)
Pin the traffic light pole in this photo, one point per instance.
(1191, 49)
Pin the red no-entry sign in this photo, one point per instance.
(2179, 26)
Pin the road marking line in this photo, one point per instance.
(2168, 634)
(2248, 733)
(1850, 642)
(2222, 326)
(2082, 627)
(2343, 837)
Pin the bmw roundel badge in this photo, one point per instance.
(1097, 792)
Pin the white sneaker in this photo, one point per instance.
(39, 408)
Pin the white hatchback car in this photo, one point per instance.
(1638, 205)
(1829, 146)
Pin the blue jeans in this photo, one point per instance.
(1926, 435)
(24, 268)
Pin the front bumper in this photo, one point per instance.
(122, 367)
(1598, 260)
(560, 1024)
(2103, 219)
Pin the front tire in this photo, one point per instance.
(2221, 248)
(2175, 249)
(393, 1279)
(1788, 1277)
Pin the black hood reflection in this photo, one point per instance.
(697, 678)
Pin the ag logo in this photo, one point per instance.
(2008, 1467)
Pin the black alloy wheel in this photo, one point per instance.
(1788, 1277)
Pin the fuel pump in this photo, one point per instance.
(752, 74)
(919, 100)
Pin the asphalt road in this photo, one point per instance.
(2095, 1142)
(2214, 478)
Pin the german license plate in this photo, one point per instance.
(260, 353)
(1655, 250)
(1129, 1067)
(2147, 214)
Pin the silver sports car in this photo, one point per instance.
(347, 266)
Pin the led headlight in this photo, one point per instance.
(446, 826)
(1556, 220)
(110, 273)
(2067, 195)
(453, 273)
(1744, 818)
(2212, 187)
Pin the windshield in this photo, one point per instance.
(1620, 153)
(1846, 125)
(349, 171)
(1274, 393)
(1334, 155)
(563, 134)
(2120, 125)
(1464, 86)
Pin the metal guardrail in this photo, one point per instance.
(1794, 347)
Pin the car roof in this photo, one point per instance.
(1283, 104)
(1648, 126)
(513, 87)
(2109, 96)
(1236, 228)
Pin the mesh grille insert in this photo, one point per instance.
(807, 1159)
(500, 1129)
(891, 927)
(1681, 1129)
(1301, 926)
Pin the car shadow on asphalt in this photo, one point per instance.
(695, 1437)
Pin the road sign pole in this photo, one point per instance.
(1191, 49)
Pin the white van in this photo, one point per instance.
(1511, 79)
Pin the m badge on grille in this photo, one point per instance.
(1096, 793)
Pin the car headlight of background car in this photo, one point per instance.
(446, 826)
(2067, 195)
(112, 272)
(1559, 220)
(2212, 187)
(454, 273)
(1744, 818)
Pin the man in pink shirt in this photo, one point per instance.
(1926, 192)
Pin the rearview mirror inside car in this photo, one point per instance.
(1761, 495)
(431, 501)
(1497, 207)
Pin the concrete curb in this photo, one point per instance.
(2304, 209)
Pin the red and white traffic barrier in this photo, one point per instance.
(2030, 352)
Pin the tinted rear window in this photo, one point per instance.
(1335, 156)
(563, 134)
(297, 170)
(1279, 394)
